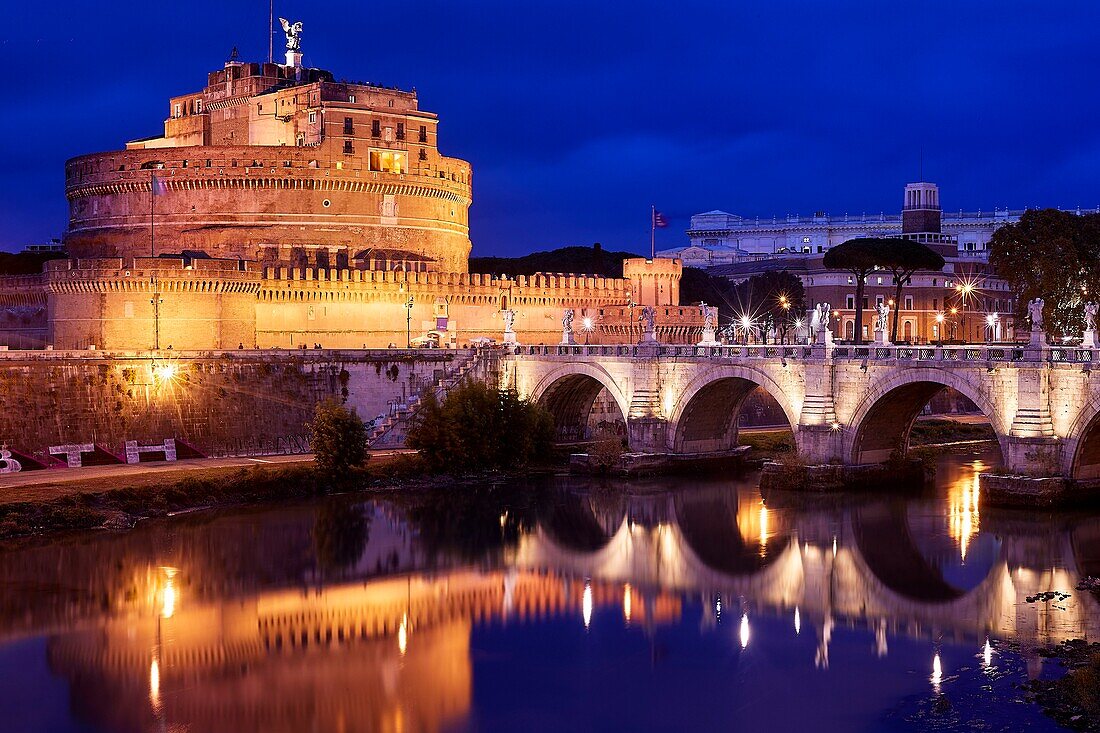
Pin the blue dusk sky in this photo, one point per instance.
(576, 116)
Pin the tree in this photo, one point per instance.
(478, 427)
(773, 297)
(1054, 255)
(901, 258)
(860, 257)
(338, 438)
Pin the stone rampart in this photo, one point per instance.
(218, 401)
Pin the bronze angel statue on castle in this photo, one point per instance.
(293, 33)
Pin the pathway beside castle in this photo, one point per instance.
(55, 483)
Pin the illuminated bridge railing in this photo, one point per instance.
(952, 354)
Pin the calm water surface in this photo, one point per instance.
(556, 606)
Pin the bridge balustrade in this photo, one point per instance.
(972, 353)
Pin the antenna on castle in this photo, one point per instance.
(920, 169)
(270, 31)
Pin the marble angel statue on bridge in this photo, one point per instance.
(1035, 314)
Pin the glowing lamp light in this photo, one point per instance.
(587, 324)
(991, 319)
(834, 425)
(939, 318)
(746, 322)
(164, 372)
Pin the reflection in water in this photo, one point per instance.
(962, 496)
(348, 615)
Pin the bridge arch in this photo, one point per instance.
(1081, 452)
(884, 417)
(704, 418)
(569, 392)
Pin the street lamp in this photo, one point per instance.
(408, 322)
(991, 326)
(939, 327)
(786, 306)
(588, 326)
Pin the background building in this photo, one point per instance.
(963, 302)
(720, 238)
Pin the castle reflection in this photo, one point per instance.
(352, 616)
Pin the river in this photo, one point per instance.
(556, 604)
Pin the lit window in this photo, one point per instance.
(198, 106)
(312, 117)
(351, 98)
(805, 240)
(387, 161)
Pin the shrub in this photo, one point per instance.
(338, 437)
(479, 428)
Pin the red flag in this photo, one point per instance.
(659, 220)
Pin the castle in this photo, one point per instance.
(282, 208)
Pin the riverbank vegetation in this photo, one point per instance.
(478, 428)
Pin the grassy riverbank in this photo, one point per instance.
(121, 501)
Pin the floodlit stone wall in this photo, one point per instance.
(216, 401)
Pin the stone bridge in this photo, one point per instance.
(845, 404)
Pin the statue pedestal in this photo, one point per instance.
(649, 338)
(567, 339)
(1038, 339)
(1089, 340)
(510, 338)
(708, 338)
(882, 337)
(294, 59)
(824, 336)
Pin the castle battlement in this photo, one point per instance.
(151, 274)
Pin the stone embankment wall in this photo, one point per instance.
(216, 401)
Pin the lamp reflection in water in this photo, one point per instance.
(170, 594)
(763, 528)
(403, 634)
(797, 621)
(744, 630)
(937, 672)
(987, 655)
(626, 603)
(962, 500)
(154, 684)
(586, 603)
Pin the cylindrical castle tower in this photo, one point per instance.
(283, 165)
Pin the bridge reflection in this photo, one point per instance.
(235, 622)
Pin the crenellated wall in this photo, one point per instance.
(147, 303)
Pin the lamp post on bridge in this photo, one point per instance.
(408, 322)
